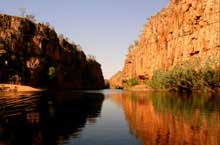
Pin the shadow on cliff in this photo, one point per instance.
(49, 118)
(33, 54)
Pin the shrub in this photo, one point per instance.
(30, 17)
(158, 80)
(131, 82)
(51, 72)
(212, 77)
(187, 77)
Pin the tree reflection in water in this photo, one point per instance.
(47, 118)
(171, 118)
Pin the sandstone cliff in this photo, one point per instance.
(182, 31)
(33, 54)
(115, 81)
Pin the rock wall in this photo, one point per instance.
(33, 54)
(183, 31)
(115, 81)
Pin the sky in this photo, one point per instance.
(103, 28)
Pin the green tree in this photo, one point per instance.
(51, 72)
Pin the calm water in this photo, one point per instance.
(109, 117)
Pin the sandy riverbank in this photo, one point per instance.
(18, 88)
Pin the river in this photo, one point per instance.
(109, 117)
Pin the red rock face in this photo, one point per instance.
(115, 81)
(183, 31)
(30, 51)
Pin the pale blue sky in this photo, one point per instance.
(104, 28)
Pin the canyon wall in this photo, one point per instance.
(33, 54)
(186, 30)
(116, 80)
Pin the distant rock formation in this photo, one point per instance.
(32, 54)
(116, 80)
(182, 31)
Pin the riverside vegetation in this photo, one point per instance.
(130, 83)
(188, 76)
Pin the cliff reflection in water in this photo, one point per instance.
(48, 119)
(172, 119)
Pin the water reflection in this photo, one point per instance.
(55, 118)
(172, 119)
(46, 119)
